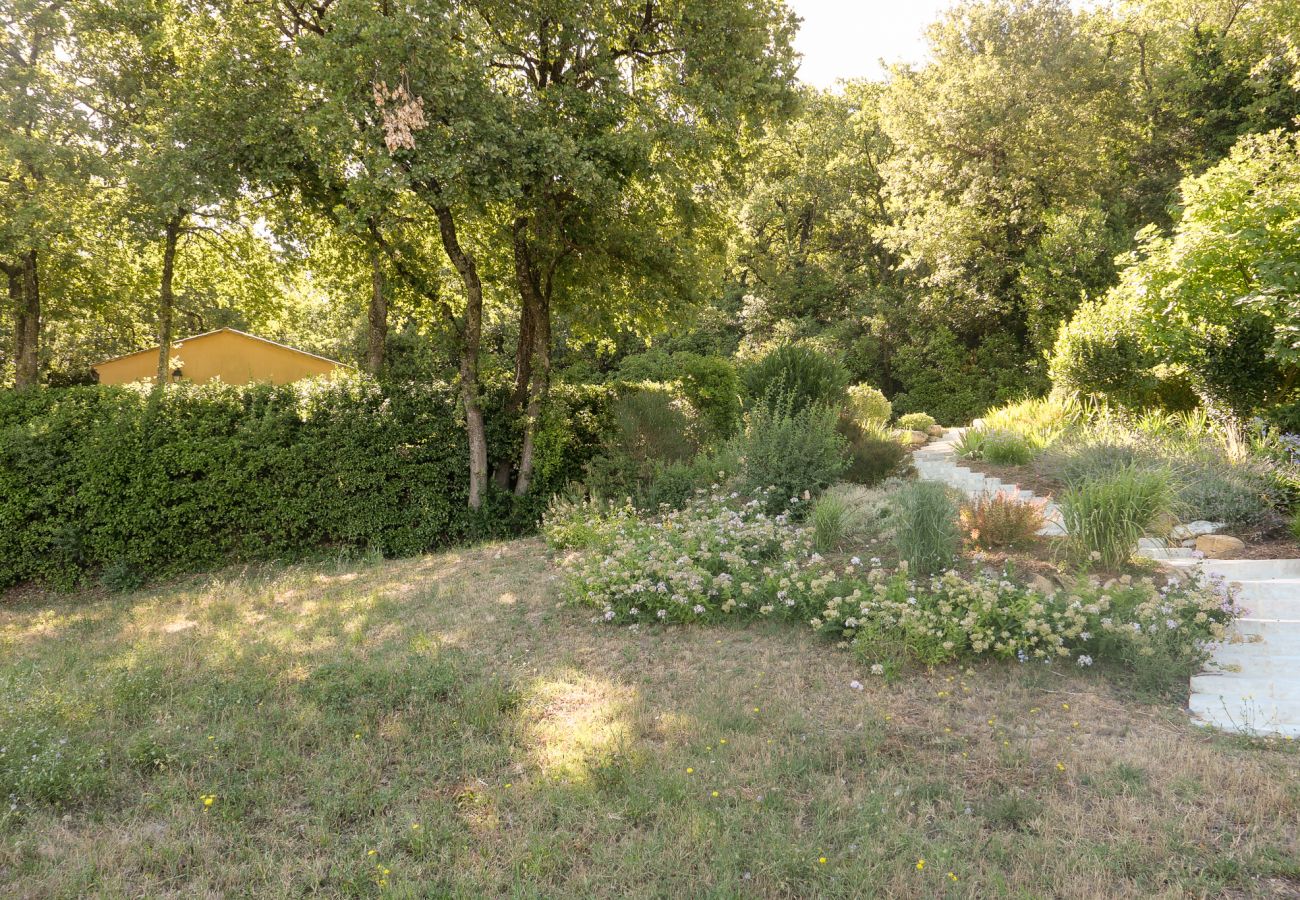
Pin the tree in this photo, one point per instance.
(41, 158)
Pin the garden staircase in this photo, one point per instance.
(937, 461)
(1252, 682)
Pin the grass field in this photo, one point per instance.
(440, 726)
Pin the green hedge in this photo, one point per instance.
(140, 484)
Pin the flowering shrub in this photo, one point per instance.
(722, 557)
(717, 557)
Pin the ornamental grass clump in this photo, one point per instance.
(993, 521)
(1105, 516)
(926, 531)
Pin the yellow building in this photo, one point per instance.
(231, 356)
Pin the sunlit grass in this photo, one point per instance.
(439, 727)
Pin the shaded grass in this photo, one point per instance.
(329, 710)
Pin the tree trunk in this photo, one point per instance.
(27, 321)
(167, 298)
(523, 349)
(471, 335)
(537, 299)
(377, 317)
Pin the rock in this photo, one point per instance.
(1189, 543)
(977, 424)
(1191, 530)
(914, 438)
(1219, 545)
(1043, 585)
(937, 431)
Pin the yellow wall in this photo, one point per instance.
(233, 357)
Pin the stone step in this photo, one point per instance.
(1261, 663)
(1164, 553)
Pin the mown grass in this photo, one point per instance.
(440, 727)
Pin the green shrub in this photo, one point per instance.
(874, 452)
(941, 375)
(1101, 353)
(868, 406)
(1041, 421)
(806, 376)
(792, 451)
(971, 444)
(830, 522)
(131, 481)
(1104, 516)
(650, 426)
(1006, 448)
(926, 531)
(709, 383)
(917, 421)
(676, 483)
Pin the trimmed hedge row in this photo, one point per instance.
(135, 483)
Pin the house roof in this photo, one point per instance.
(195, 337)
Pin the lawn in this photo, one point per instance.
(443, 726)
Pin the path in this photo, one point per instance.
(1252, 682)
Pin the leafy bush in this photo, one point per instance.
(709, 383)
(676, 483)
(1105, 516)
(198, 475)
(954, 382)
(1102, 353)
(992, 521)
(868, 406)
(1006, 448)
(925, 526)
(794, 451)
(875, 453)
(800, 373)
(651, 425)
(917, 421)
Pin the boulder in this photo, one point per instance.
(915, 438)
(937, 431)
(1192, 530)
(1043, 585)
(1219, 545)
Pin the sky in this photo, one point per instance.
(848, 38)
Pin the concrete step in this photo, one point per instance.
(1276, 600)
(1237, 713)
(1251, 685)
(1281, 635)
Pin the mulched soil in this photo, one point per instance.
(1024, 476)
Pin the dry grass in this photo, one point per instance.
(331, 709)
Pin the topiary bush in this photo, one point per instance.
(868, 406)
(137, 482)
(806, 376)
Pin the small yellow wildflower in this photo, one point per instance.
(722, 741)
(208, 800)
(715, 793)
(509, 784)
(371, 852)
(952, 877)
(415, 826)
(920, 865)
(755, 709)
(821, 860)
(1060, 767)
(690, 771)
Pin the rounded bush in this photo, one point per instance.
(917, 421)
(1100, 353)
(868, 405)
(799, 373)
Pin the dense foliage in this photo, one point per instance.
(132, 483)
